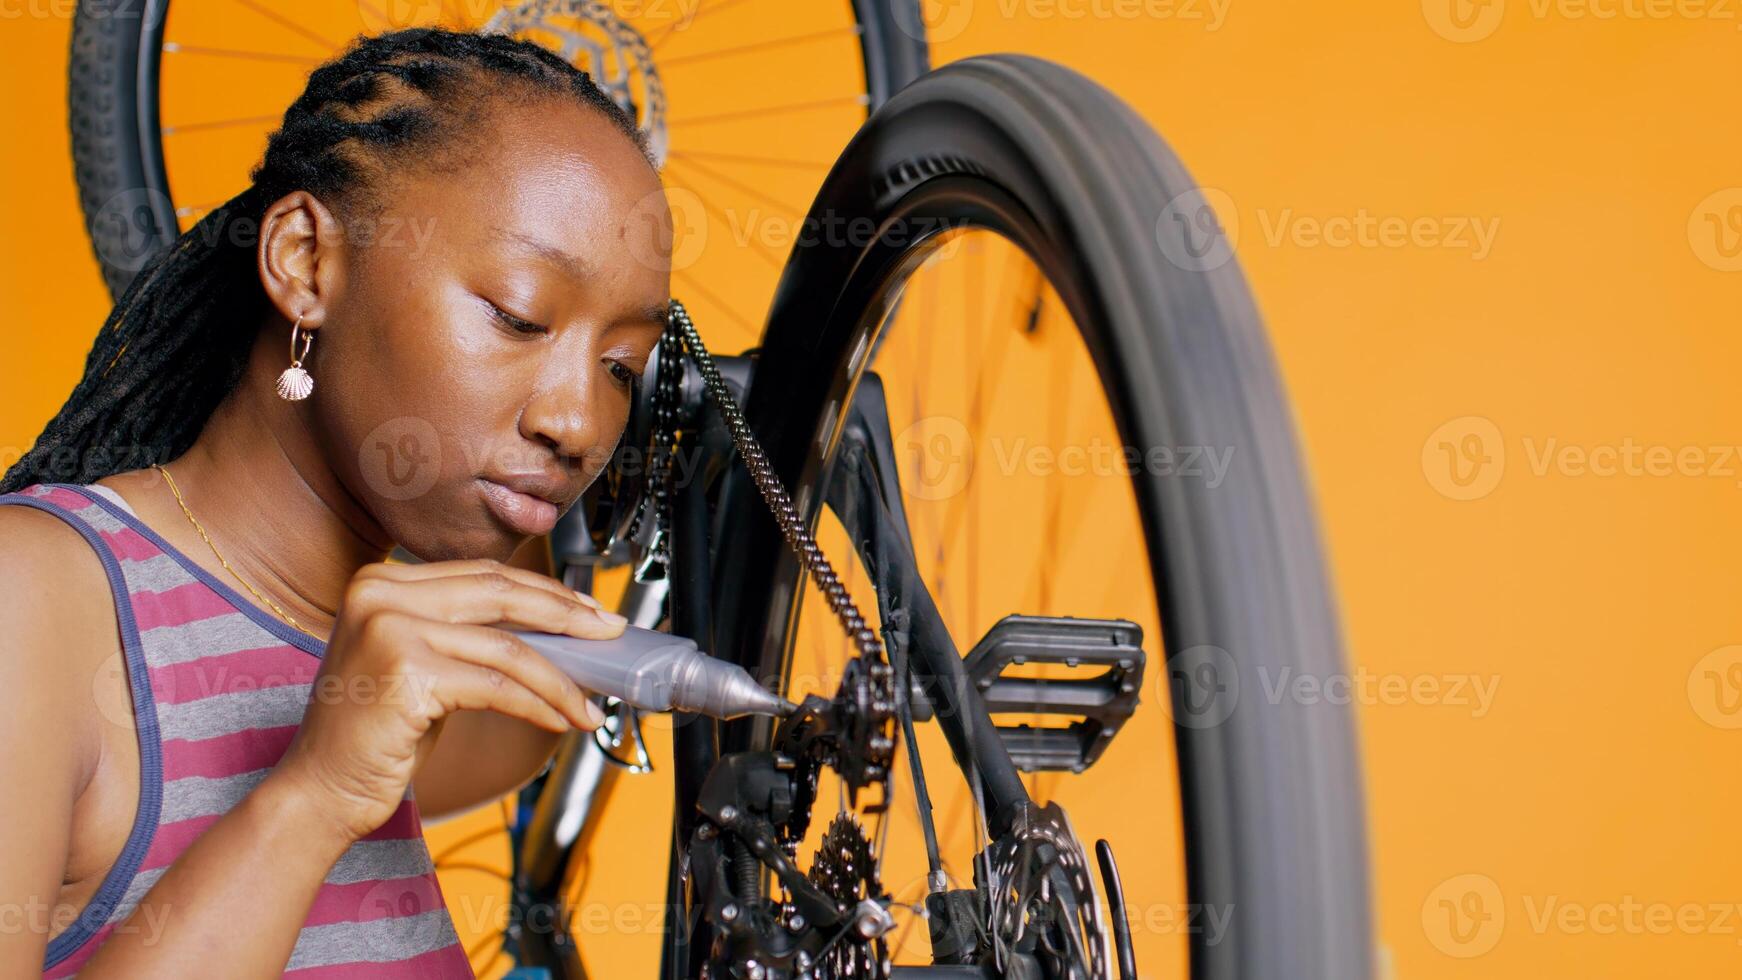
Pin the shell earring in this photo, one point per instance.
(295, 384)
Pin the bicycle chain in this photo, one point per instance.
(667, 402)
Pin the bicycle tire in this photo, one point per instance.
(1272, 794)
(112, 115)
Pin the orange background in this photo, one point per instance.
(1588, 813)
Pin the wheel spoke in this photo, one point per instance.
(290, 25)
(653, 43)
(172, 47)
(774, 110)
(219, 124)
(741, 187)
(833, 32)
(759, 249)
(746, 159)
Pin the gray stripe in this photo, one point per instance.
(98, 518)
(158, 573)
(203, 796)
(135, 893)
(222, 714)
(226, 633)
(368, 860)
(375, 941)
(111, 496)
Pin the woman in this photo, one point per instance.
(220, 706)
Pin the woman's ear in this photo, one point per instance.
(301, 246)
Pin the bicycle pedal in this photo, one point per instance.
(1102, 692)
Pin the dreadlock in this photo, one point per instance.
(178, 339)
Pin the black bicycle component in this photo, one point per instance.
(864, 492)
(1116, 910)
(1048, 160)
(1100, 703)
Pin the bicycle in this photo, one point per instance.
(1043, 159)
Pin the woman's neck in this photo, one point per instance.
(260, 487)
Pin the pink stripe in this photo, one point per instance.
(69, 499)
(173, 838)
(226, 755)
(259, 669)
(403, 825)
(364, 901)
(447, 963)
(187, 603)
(128, 544)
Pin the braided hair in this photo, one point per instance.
(178, 340)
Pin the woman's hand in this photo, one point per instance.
(413, 644)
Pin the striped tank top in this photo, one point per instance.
(219, 687)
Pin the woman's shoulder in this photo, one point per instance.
(58, 610)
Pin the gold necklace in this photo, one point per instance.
(207, 538)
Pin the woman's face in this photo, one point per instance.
(473, 371)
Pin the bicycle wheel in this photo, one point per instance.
(1042, 161)
(169, 106)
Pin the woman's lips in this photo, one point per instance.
(520, 511)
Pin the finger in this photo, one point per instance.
(491, 597)
(503, 652)
(457, 685)
(478, 566)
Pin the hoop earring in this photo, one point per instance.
(295, 384)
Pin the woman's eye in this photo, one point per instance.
(624, 376)
(513, 322)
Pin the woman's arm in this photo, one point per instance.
(234, 902)
(44, 708)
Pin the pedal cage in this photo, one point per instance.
(1100, 703)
